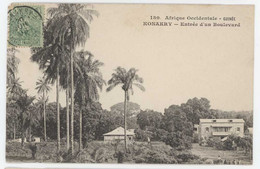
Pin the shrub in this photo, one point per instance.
(100, 152)
(178, 140)
(228, 144)
(195, 138)
(219, 145)
(155, 157)
(186, 157)
(159, 135)
(215, 142)
(141, 135)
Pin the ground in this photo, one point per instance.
(98, 150)
(212, 153)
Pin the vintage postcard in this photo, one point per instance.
(130, 83)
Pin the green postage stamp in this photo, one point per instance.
(26, 25)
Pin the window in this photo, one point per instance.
(207, 129)
(214, 120)
(238, 129)
(230, 120)
(227, 129)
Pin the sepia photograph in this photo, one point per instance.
(130, 83)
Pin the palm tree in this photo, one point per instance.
(12, 112)
(127, 79)
(72, 19)
(24, 103)
(43, 88)
(88, 81)
(12, 65)
(51, 59)
(14, 89)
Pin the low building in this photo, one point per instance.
(118, 134)
(220, 128)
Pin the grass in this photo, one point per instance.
(212, 154)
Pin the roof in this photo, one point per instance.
(222, 120)
(118, 132)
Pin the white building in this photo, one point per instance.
(220, 128)
(118, 134)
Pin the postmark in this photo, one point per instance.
(26, 26)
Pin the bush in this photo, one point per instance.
(215, 142)
(228, 144)
(159, 134)
(100, 152)
(155, 157)
(178, 140)
(195, 138)
(141, 135)
(219, 145)
(186, 157)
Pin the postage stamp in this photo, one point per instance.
(26, 26)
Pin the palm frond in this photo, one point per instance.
(141, 87)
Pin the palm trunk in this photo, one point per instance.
(30, 132)
(14, 131)
(72, 87)
(23, 130)
(22, 142)
(58, 110)
(68, 116)
(80, 128)
(125, 127)
(44, 117)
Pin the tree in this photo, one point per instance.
(196, 109)
(12, 114)
(43, 88)
(88, 81)
(12, 65)
(32, 120)
(127, 79)
(24, 103)
(72, 19)
(14, 88)
(132, 109)
(149, 119)
(51, 120)
(52, 59)
(179, 129)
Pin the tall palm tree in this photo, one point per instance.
(88, 81)
(72, 19)
(127, 79)
(43, 88)
(51, 59)
(65, 83)
(14, 88)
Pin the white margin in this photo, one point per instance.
(3, 39)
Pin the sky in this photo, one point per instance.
(176, 63)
